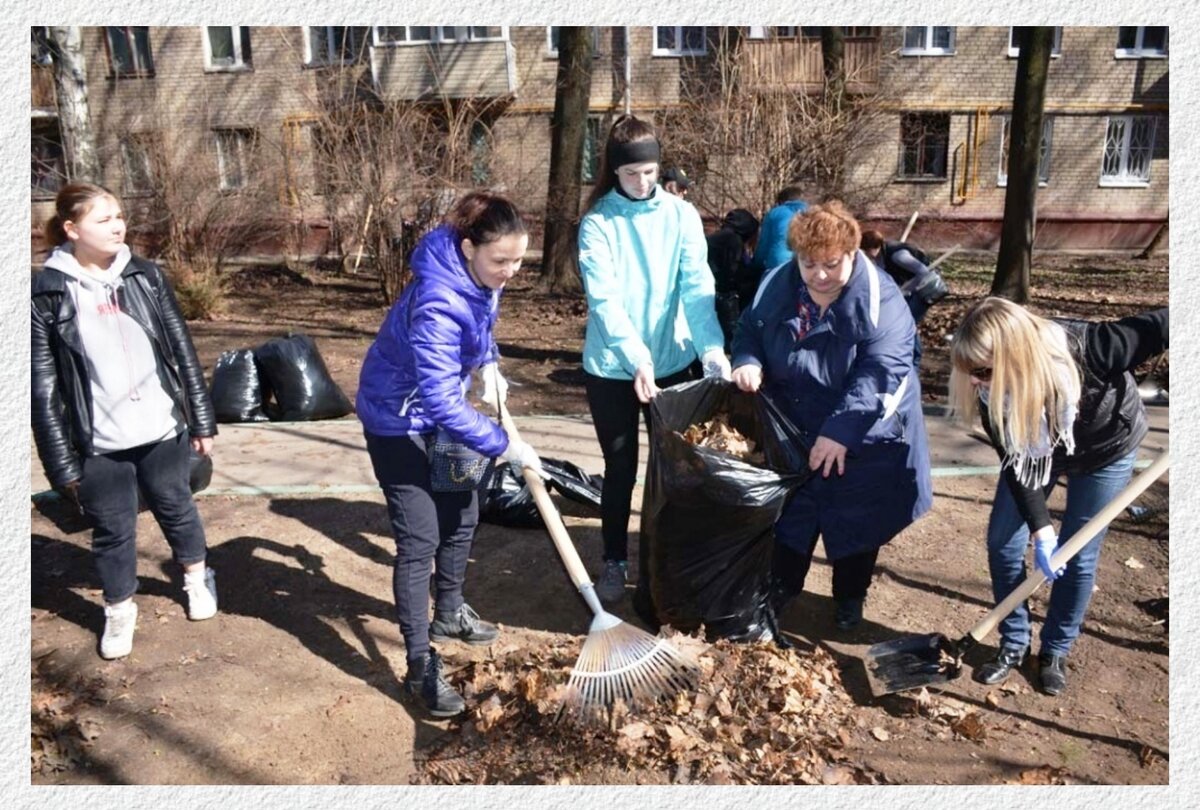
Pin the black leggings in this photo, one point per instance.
(851, 574)
(615, 408)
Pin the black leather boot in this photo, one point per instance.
(424, 680)
(464, 625)
(848, 613)
(1052, 673)
(998, 668)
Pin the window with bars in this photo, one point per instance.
(924, 144)
(129, 50)
(928, 40)
(1043, 156)
(227, 47)
(235, 149)
(423, 34)
(1128, 150)
(137, 163)
(1014, 47)
(336, 44)
(1139, 41)
(679, 40)
(48, 167)
(592, 140)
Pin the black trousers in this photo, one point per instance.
(615, 409)
(851, 575)
(427, 526)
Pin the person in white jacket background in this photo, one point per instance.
(651, 314)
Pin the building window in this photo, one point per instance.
(679, 40)
(592, 139)
(1140, 41)
(39, 44)
(481, 153)
(924, 142)
(928, 40)
(336, 44)
(1014, 49)
(552, 41)
(234, 150)
(1128, 150)
(48, 168)
(423, 34)
(129, 50)
(861, 32)
(1043, 157)
(137, 164)
(227, 47)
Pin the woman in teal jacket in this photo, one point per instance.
(651, 313)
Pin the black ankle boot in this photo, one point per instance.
(424, 680)
(463, 624)
(848, 613)
(1052, 673)
(996, 670)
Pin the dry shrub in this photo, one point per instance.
(200, 290)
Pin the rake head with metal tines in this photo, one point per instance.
(620, 662)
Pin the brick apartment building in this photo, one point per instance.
(219, 93)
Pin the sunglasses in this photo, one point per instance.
(983, 374)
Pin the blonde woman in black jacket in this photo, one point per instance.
(118, 398)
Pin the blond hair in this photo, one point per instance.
(823, 229)
(1033, 372)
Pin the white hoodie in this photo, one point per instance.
(130, 407)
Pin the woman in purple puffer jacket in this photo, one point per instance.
(413, 387)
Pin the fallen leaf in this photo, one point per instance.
(880, 734)
(992, 699)
(1133, 563)
(970, 726)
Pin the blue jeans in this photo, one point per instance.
(1008, 537)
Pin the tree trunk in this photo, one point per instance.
(1024, 151)
(833, 64)
(1157, 241)
(71, 87)
(568, 129)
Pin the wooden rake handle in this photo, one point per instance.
(1072, 547)
(554, 523)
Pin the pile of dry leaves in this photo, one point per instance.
(761, 715)
(59, 738)
(717, 434)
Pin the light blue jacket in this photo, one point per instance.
(649, 289)
(772, 249)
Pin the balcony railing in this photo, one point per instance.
(42, 81)
(796, 63)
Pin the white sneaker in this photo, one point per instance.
(119, 623)
(201, 589)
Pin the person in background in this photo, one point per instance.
(118, 400)
(1057, 399)
(728, 258)
(909, 267)
(772, 249)
(651, 314)
(675, 180)
(829, 337)
(413, 384)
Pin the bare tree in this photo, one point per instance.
(71, 86)
(568, 130)
(833, 64)
(1020, 198)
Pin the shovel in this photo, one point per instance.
(914, 661)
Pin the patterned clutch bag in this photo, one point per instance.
(454, 467)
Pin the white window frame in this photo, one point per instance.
(1046, 145)
(1138, 51)
(1124, 179)
(1055, 49)
(678, 50)
(328, 58)
(552, 52)
(244, 139)
(927, 49)
(438, 34)
(239, 62)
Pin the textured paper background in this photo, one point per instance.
(15, 438)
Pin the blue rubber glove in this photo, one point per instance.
(1043, 547)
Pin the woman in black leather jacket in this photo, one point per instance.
(118, 398)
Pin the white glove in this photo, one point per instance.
(643, 383)
(716, 365)
(519, 454)
(495, 387)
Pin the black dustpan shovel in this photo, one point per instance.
(914, 661)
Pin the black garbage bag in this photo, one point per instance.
(293, 372)
(236, 390)
(200, 471)
(507, 501)
(707, 535)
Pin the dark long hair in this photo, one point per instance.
(483, 218)
(626, 129)
(73, 201)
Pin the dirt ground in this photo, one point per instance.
(297, 679)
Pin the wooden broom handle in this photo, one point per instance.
(908, 228)
(1072, 547)
(554, 523)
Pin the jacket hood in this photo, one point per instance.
(62, 259)
(439, 259)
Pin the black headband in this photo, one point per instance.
(619, 154)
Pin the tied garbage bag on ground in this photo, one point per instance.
(707, 531)
(507, 501)
(236, 390)
(295, 375)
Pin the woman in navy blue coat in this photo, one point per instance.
(830, 337)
